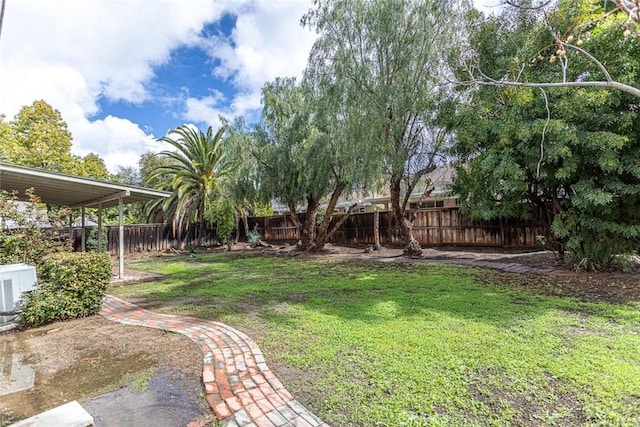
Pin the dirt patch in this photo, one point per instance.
(531, 408)
(599, 287)
(82, 358)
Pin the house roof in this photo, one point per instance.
(73, 191)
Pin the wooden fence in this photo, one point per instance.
(153, 238)
(433, 227)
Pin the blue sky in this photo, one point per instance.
(124, 72)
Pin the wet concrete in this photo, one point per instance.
(171, 399)
(15, 375)
(165, 397)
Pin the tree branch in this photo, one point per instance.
(630, 7)
(341, 221)
(605, 84)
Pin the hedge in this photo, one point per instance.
(70, 285)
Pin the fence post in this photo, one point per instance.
(376, 230)
(440, 235)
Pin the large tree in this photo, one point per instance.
(387, 57)
(567, 44)
(92, 166)
(38, 137)
(307, 154)
(568, 156)
(194, 170)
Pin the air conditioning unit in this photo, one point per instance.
(14, 280)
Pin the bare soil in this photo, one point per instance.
(83, 358)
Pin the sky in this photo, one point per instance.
(123, 73)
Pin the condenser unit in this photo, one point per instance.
(14, 280)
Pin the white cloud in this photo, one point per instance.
(267, 42)
(72, 53)
(113, 44)
(204, 110)
(119, 141)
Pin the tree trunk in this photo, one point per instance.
(295, 220)
(341, 221)
(200, 225)
(323, 232)
(308, 233)
(376, 230)
(412, 247)
(236, 220)
(245, 222)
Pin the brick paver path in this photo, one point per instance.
(240, 388)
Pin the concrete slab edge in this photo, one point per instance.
(71, 414)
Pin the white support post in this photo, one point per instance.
(71, 229)
(83, 235)
(100, 227)
(120, 239)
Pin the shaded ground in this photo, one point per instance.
(85, 358)
(562, 280)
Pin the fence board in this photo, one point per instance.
(153, 238)
(432, 227)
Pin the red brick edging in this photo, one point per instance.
(240, 388)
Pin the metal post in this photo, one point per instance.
(83, 235)
(71, 230)
(100, 227)
(120, 239)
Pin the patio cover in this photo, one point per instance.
(76, 192)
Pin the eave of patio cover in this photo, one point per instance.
(75, 192)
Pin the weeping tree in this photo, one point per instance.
(243, 188)
(387, 57)
(310, 154)
(193, 171)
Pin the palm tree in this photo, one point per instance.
(193, 172)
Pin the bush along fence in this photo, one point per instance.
(433, 227)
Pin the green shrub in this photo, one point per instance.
(26, 240)
(72, 285)
(595, 252)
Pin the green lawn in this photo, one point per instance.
(369, 344)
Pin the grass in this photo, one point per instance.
(368, 344)
(140, 381)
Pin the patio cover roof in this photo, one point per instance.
(73, 191)
(76, 192)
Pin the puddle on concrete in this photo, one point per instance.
(15, 375)
(171, 399)
(89, 375)
(117, 378)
